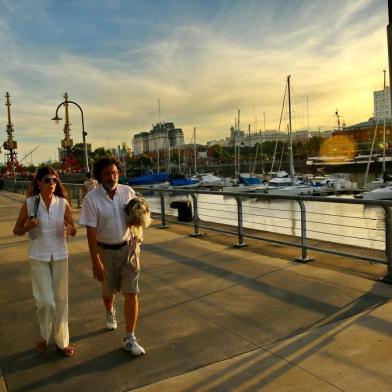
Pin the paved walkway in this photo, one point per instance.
(213, 318)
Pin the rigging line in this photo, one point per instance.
(277, 132)
(370, 155)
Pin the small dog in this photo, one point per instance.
(138, 219)
(138, 216)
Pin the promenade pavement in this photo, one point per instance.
(212, 318)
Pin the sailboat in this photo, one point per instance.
(384, 189)
(290, 185)
(203, 180)
(245, 182)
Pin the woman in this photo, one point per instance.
(46, 216)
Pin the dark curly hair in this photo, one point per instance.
(101, 164)
(41, 173)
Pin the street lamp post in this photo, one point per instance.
(56, 118)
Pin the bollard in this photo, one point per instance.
(163, 212)
(304, 257)
(196, 222)
(241, 242)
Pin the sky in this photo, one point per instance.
(202, 59)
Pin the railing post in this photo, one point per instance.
(195, 217)
(241, 242)
(388, 244)
(163, 211)
(304, 256)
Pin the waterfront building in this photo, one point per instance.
(363, 132)
(380, 106)
(140, 143)
(160, 137)
(241, 138)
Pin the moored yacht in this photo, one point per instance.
(382, 193)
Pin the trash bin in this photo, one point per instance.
(184, 208)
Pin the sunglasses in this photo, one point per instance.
(50, 180)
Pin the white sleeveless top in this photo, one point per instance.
(48, 239)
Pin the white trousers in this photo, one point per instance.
(50, 291)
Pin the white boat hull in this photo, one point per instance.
(378, 194)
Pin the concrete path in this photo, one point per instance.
(212, 318)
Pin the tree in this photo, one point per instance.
(145, 160)
(31, 168)
(216, 151)
(101, 152)
(78, 151)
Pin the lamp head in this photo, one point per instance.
(56, 119)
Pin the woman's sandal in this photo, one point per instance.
(66, 351)
(42, 346)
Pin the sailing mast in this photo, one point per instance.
(235, 147)
(389, 38)
(238, 147)
(250, 164)
(292, 173)
(194, 150)
(383, 137)
(277, 132)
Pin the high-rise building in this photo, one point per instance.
(379, 105)
(161, 136)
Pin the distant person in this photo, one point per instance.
(110, 243)
(89, 184)
(46, 216)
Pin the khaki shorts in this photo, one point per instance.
(120, 274)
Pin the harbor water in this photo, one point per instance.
(348, 224)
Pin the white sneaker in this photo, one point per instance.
(131, 345)
(111, 322)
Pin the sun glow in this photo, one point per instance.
(340, 146)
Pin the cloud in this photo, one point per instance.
(202, 60)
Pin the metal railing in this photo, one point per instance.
(241, 233)
(381, 226)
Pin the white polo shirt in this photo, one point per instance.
(49, 236)
(106, 215)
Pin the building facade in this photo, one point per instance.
(382, 106)
(362, 133)
(160, 137)
(241, 138)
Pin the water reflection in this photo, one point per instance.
(351, 224)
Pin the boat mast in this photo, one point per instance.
(238, 153)
(383, 135)
(278, 130)
(250, 158)
(194, 150)
(292, 173)
(307, 115)
(389, 36)
(370, 155)
(235, 147)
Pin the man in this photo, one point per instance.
(109, 240)
(89, 184)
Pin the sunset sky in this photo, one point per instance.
(203, 59)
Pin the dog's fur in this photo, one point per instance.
(138, 216)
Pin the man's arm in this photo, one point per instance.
(98, 268)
